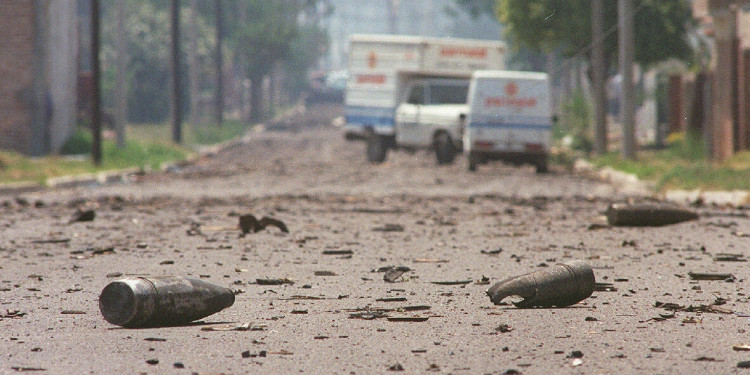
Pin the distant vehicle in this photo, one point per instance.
(509, 118)
(383, 67)
(328, 88)
(432, 114)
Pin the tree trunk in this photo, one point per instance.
(195, 91)
(256, 98)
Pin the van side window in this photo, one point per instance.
(416, 94)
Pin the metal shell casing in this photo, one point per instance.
(561, 285)
(161, 301)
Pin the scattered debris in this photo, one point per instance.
(503, 328)
(389, 228)
(483, 281)
(561, 285)
(82, 216)
(396, 367)
(52, 241)
(712, 308)
(24, 369)
(249, 224)
(415, 308)
(114, 274)
(392, 273)
(338, 252)
(456, 282)
(429, 260)
(647, 215)
(391, 299)
(161, 301)
(12, 314)
(234, 327)
(72, 312)
(604, 287)
(492, 252)
(274, 281)
(155, 339)
(325, 273)
(725, 257)
(407, 318)
(710, 276)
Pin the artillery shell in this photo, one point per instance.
(161, 301)
(562, 285)
(647, 215)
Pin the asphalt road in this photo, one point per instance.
(444, 223)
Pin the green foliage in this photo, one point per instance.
(266, 36)
(574, 122)
(661, 27)
(78, 143)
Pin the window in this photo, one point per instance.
(449, 93)
(416, 94)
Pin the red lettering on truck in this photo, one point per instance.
(469, 52)
(505, 101)
(375, 79)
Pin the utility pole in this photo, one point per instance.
(40, 100)
(176, 89)
(96, 107)
(219, 64)
(627, 96)
(599, 77)
(121, 86)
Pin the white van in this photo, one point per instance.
(381, 67)
(509, 118)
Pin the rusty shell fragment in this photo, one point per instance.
(561, 285)
(647, 215)
(161, 301)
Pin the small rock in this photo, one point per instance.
(152, 361)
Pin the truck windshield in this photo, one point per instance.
(449, 93)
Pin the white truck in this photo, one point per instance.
(383, 67)
(509, 118)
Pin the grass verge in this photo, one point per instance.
(683, 165)
(147, 146)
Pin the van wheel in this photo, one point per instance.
(377, 148)
(444, 149)
(472, 163)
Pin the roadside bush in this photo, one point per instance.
(78, 143)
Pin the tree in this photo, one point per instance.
(662, 27)
(265, 40)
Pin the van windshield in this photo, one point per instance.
(453, 93)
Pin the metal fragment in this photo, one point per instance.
(561, 285)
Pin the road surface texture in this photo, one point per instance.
(347, 220)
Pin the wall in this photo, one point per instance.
(16, 30)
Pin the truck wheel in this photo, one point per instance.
(473, 162)
(444, 149)
(377, 149)
(541, 166)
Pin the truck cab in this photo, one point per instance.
(431, 115)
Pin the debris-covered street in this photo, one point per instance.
(384, 268)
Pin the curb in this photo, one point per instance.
(629, 183)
